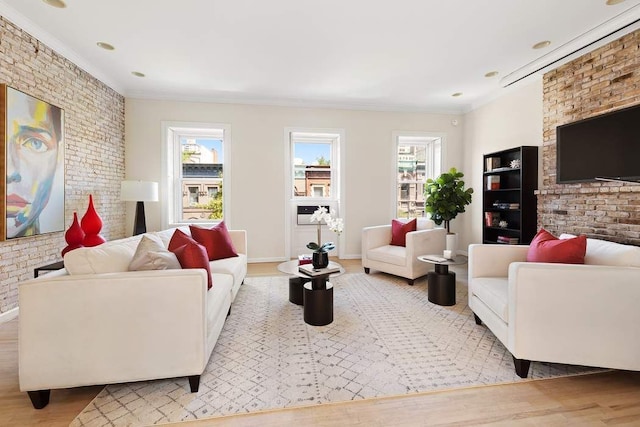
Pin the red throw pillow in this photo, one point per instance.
(400, 229)
(545, 247)
(194, 255)
(178, 239)
(216, 240)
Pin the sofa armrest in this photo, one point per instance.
(425, 242)
(239, 240)
(103, 328)
(575, 313)
(494, 260)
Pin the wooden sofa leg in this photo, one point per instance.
(522, 367)
(194, 383)
(478, 320)
(367, 270)
(410, 282)
(39, 398)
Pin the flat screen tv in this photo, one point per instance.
(604, 146)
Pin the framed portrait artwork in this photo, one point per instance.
(32, 151)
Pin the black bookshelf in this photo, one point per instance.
(509, 202)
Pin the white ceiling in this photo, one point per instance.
(370, 54)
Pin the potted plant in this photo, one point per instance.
(445, 198)
(320, 250)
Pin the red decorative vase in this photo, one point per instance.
(74, 236)
(91, 225)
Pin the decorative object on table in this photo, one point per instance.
(74, 236)
(445, 198)
(447, 254)
(320, 257)
(32, 140)
(515, 164)
(304, 259)
(139, 192)
(503, 224)
(91, 224)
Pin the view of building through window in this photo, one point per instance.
(418, 158)
(202, 160)
(311, 166)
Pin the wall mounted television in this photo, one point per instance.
(605, 146)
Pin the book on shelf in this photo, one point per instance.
(506, 205)
(310, 271)
(492, 163)
(508, 240)
(493, 182)
(491, 219)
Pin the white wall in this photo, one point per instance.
(258, 170)
(512, 120)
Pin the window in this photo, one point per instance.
(313, 164)
(418, 157)
(197, 179)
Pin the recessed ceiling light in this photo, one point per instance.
(105, 46)
(137, 73)
(491, 74)
(541, 45)
(56, 3)
(612, 2)
(457, 94)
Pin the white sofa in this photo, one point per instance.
(113, 325)
(578, 314)
(379, 254)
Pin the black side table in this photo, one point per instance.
(442, 282)
(49, 267)
(318, 302)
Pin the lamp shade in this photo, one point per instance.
(139, 191)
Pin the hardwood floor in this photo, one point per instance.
(610, 398)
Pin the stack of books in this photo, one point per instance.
(491, 219)
(493, 182)
(305, 259)
(508, 240)
(506, 205)
(310, 271)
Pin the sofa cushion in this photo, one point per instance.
(494, 293)
(106, 258)
(399, 231)
(545, 247)
(389, 254)
(178, 239)
(601, 252)
(216, 240)
(194, 255)
(152, 255)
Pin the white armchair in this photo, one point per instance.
(378, 254)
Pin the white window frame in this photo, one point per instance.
(433, 141)
(313, 136)
(171, 182)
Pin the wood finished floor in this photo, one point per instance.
(610, 398)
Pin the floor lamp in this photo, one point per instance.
(139, 192)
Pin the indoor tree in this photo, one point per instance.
(446, 197)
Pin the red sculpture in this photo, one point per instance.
(74, 236)
(91, 225)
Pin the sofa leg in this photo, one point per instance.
(478, 320)
(39, 398)
(367, 270)
(522, 367)
(229, 312)
(194, 383)
(410, 282)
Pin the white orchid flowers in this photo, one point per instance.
(335, 224)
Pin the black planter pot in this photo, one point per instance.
(320, 259)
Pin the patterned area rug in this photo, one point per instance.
(386, 339)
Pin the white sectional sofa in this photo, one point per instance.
(580, 314)
(110, 325)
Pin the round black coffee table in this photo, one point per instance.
(314, 293)
(442, 282)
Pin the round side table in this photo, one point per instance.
(442, 282)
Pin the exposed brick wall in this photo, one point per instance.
(604, 80)
(94, 148)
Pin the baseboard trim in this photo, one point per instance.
(9, 315)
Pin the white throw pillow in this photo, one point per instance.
(152, 255)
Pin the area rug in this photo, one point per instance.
(386, 339)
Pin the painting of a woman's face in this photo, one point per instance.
(32, 158)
